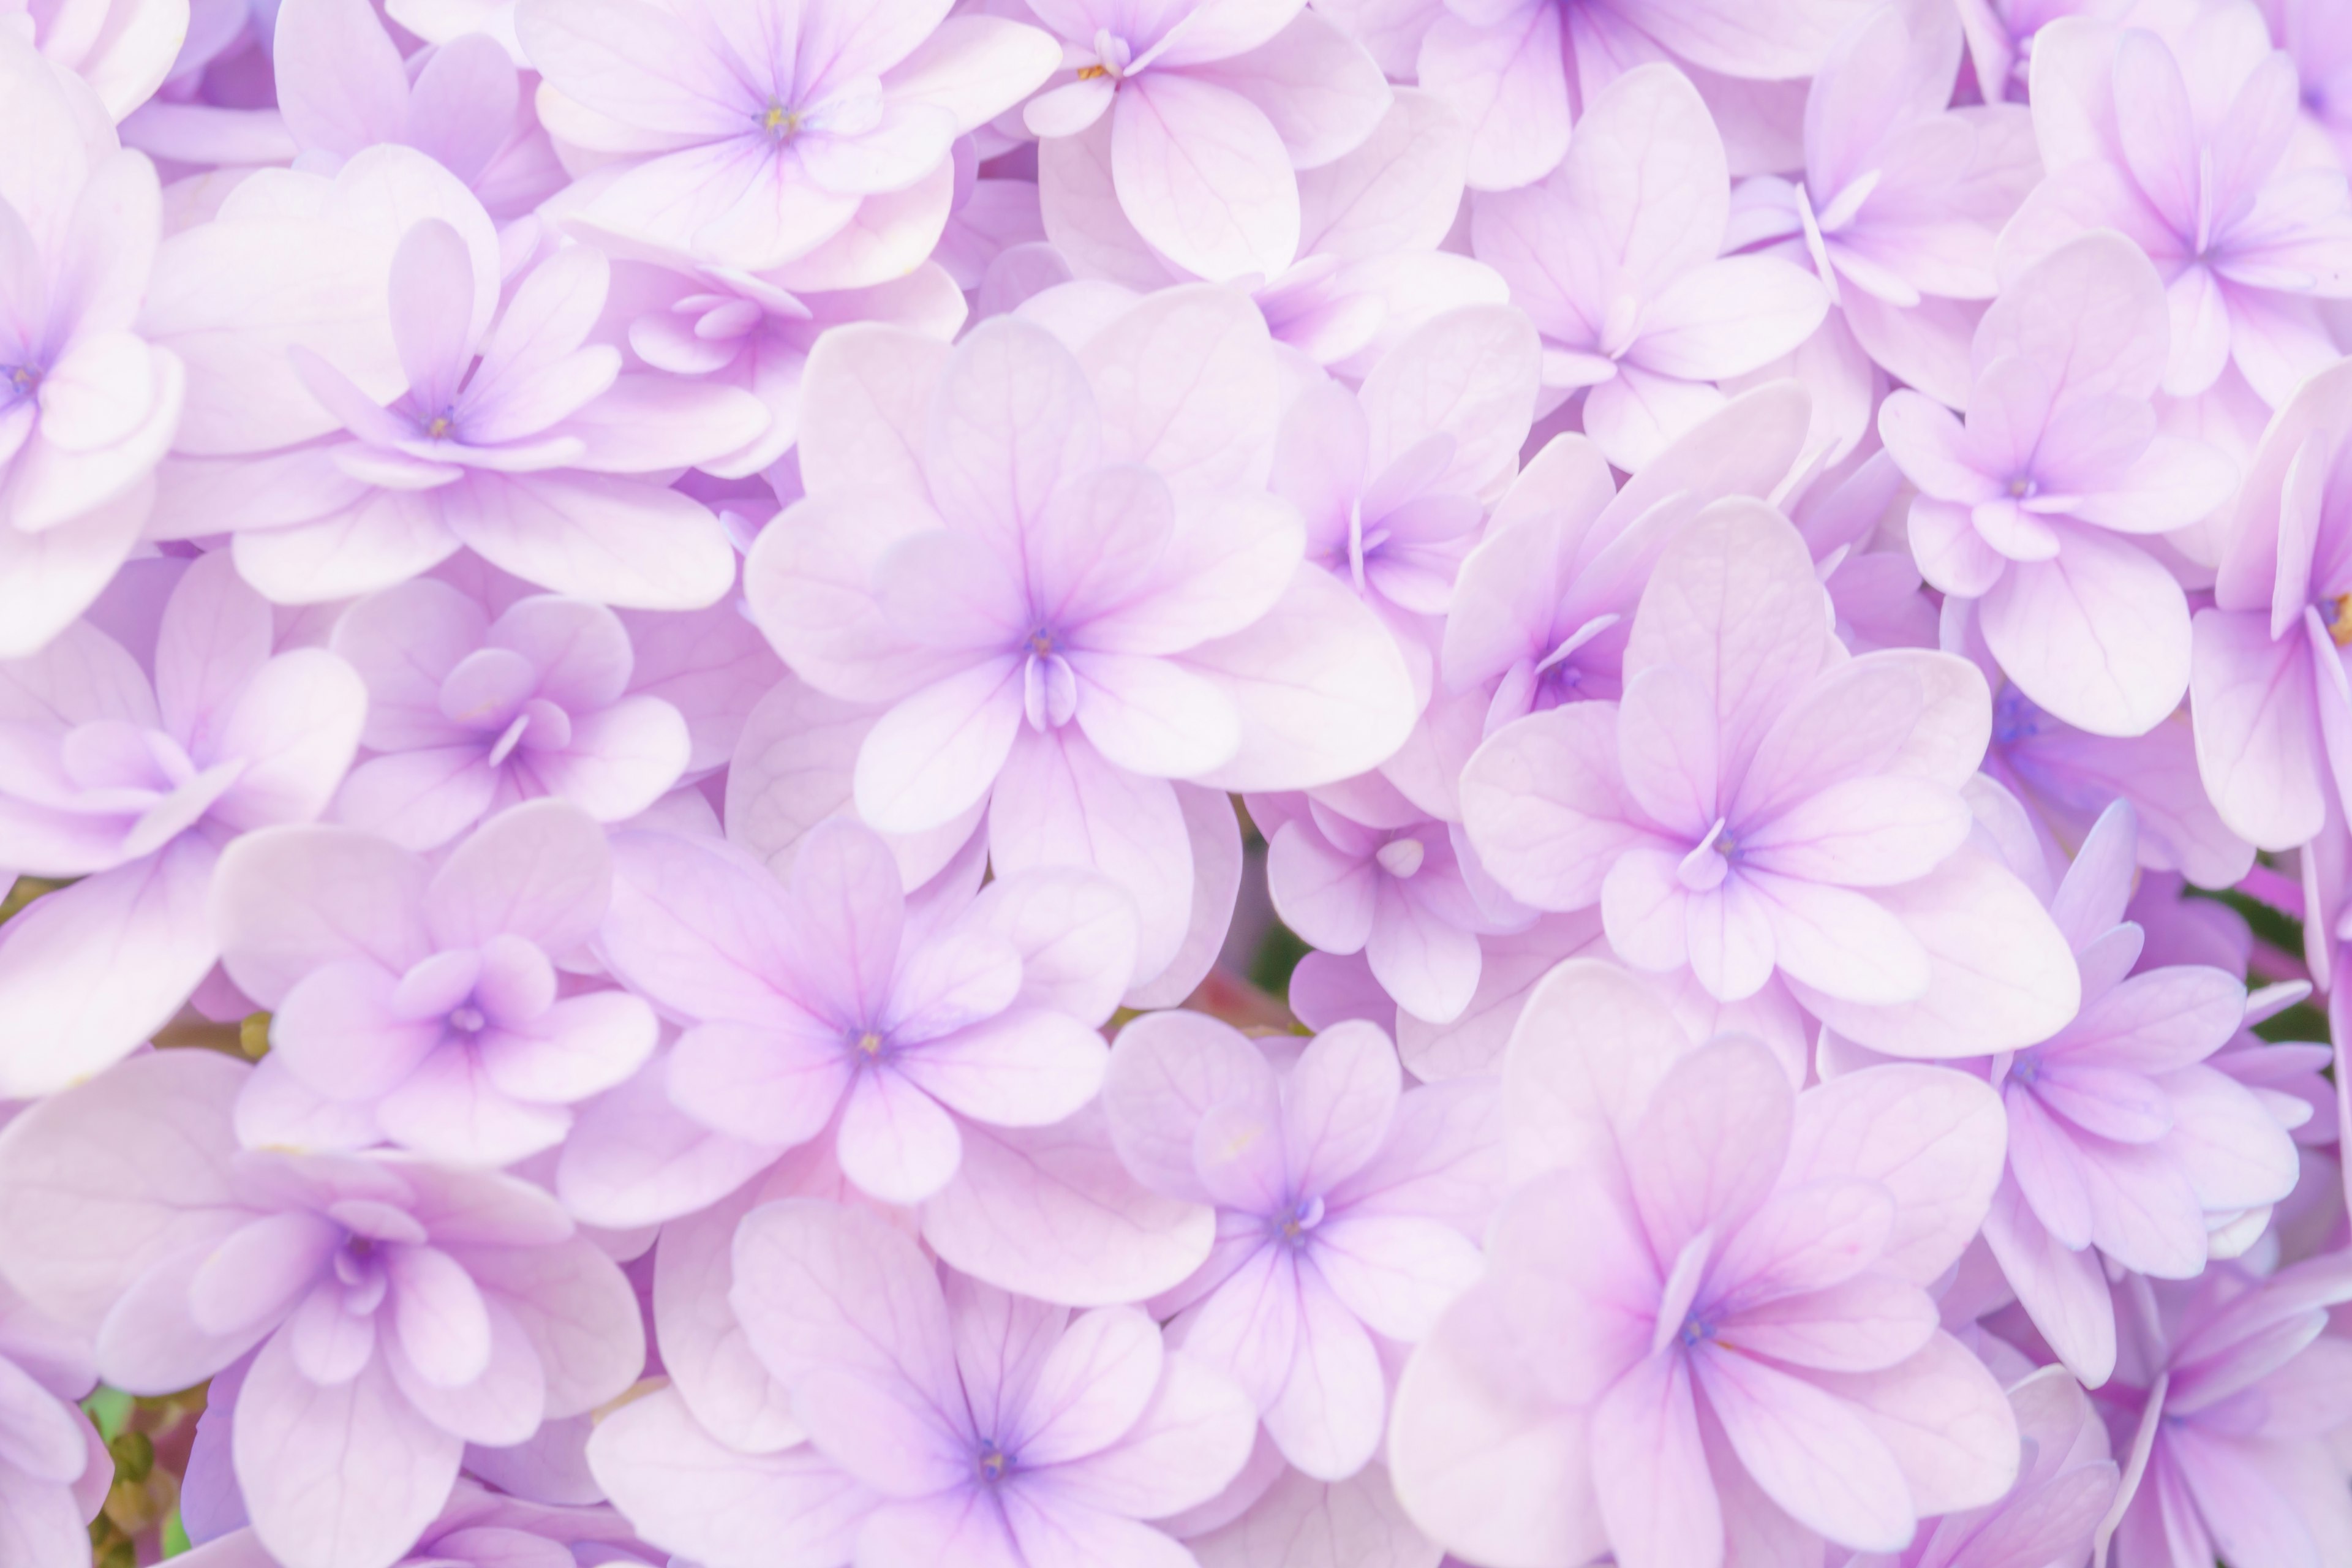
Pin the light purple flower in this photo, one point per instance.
(755, 141)
(1619, 267)
(133, 783)
(829, 1007)
(1000, 1432)
(397, 1310)
(54, 1468)
(2183, 139)
(1902, 197)
(1201, 111)
(427, 1001)
(2032, 507)
(513, 437)
(1345, 1209)
(1758, 804)
(2124, 1148)
(468, 714)
(86, 405)
(1359, 869)
(2226, 1399)
(710, 1503)
(1062, 573)
(1703, 1324)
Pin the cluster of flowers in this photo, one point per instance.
(647, 646)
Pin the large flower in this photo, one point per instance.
(1705, 1324)
(1063, 573)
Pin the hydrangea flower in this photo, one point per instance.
(995, 1430)
(1622, 269)
(468, 714)
(514, 437)
(2031, 507)
(54, 1468)
(1704, 1325)
(756, 141)
(2225, 1400)
(424, 1003)
(132, 783)
(829, 1006)
(1272, 88)
(1060, 628)
(1343, 1207)
(395, 1310)
(2180, 138)
(1743, 807)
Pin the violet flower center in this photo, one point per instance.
(1292, 1227)
(992, 1462)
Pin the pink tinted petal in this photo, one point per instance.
(1394, 1273)
(2099, 636)
(419, 800)
(1050, 1212)
(1328, 1418)
(1336, 1104)
(1809, 1451)
(1166, 1070)
(1027, 1067)
(69, 1007)
(338, 1032)
(1715, 1136)
(1091, 1387)
(540, 871)
(1649, 1468)
(763, 1083)
(350, 1473)
(940, 749)
(581, 1045)
(1133, 832)
(894, 1142)
(1202, 173)
(685, 1489)
(1190, 1439)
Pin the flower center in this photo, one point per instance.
(24, 380)
(870, 1044)
(2339, 619)
(993, 1462)
(1293, 1227)
(1401, 857)
(1695, 1332)
(468, 1020)
(2023, 486)
(782, 124)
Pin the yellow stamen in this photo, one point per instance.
(2339, 626)
(1089, 73)
(438, 429)
(870, 1043)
